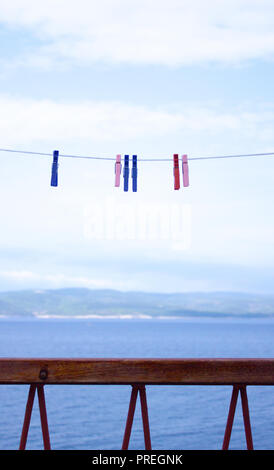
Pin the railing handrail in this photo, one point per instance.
(149, 371)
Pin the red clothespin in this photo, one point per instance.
(185, 171)
(117, 170)
(176, 171)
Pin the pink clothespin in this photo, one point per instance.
(117, 170)
(185, 171)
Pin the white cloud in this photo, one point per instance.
(30, 278)
(173, 32)
(29, 121)
(19, 275)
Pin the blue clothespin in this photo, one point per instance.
(134, 173)
(126, 172)
(54, 170)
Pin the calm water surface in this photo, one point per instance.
(93, 417)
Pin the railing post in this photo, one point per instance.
(43, 416)
(130, 416)
(28, 411)
(248, 433)
(141, 389)
(231, 413)
(143, 399)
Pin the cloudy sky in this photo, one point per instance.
(146, 77)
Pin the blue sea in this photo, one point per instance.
(93, 417)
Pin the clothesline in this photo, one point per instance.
(119, 165)
(28, 152)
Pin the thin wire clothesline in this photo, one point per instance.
(28, 152)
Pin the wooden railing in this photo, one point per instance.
(239, 373)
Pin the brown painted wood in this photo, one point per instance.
(143, 371)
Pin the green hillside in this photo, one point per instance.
(77, 302)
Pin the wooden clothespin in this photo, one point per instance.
(185, 170)
(134, 173)
(176, 171)
(126, 172)
(118, 167)
(54, 169)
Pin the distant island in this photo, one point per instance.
(107, 303)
